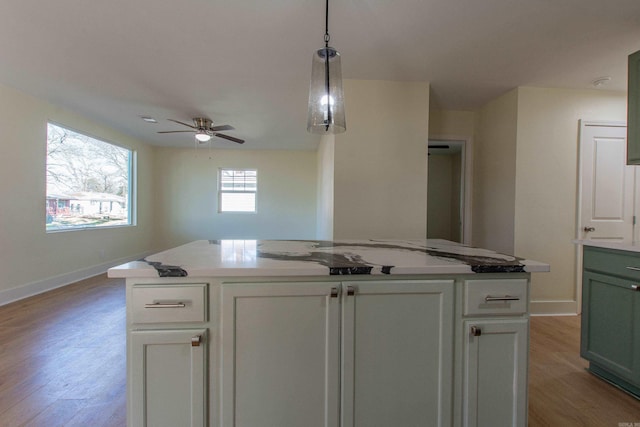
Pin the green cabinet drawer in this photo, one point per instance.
(613, 262)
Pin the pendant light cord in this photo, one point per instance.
(326, 24)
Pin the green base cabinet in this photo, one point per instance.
(610, 337)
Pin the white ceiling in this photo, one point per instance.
(247, 62)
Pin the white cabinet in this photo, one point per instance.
(167, 378)
(495, 382)
(397, 353)
(331, 354)
(167, 354)
(495, 341)
(280, 355)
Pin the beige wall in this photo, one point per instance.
(440, 192)
(380, 187)
(494, 174)
(32, 260)
(326, 158)
(187, 197)
(546, 183)
(452, 124)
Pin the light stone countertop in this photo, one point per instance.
(235, 258)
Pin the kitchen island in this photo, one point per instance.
(327, 333)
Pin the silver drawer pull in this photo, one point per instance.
(195, 341)
(635, 288)
(475, 331)
(489, 298)
(161, 305)
(633, 268)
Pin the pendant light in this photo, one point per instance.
(326, 99)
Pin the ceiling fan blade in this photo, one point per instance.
(181, 123)
(230, 138)
(176, 131)
(221, 127)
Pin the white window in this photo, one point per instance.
(88, 181)
(237, 190)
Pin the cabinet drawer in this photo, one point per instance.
(495, 297)
(169, 303)
(617, 263)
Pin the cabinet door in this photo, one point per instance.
(611, 324)
(633, 110)
(495, 373)
(167, 378)
(397, 353)
(280, 355)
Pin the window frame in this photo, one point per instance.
(131, 182)
(221, 191)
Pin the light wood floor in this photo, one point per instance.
(62, 363)
(561, 392)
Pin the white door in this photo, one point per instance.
(607, 183)
(280, 355)
(397, 353)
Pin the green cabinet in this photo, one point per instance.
(610, 338)
(633, 110)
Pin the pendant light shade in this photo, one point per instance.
(326, 99)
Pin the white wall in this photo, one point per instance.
(494, 174)
(546, 184)
(380, 187)
(187, 198)
(32, 260)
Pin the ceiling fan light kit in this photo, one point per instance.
(326, 98)
(202, 136)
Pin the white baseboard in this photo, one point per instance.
(554, 308)
(14, 294)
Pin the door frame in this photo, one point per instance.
(582, 124)
(466, 183)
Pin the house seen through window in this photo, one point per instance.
(88, 181)
(237, 190)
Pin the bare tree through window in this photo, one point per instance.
(88, 181)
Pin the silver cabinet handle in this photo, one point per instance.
(334, 292)
(588, 229)
(195, 341)
(162, 305)
(476, 331)
(504, 298)
(635, 288)
(351, 291)
(633, 268)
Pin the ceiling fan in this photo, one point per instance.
(204, 130)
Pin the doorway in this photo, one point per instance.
(447, 181)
